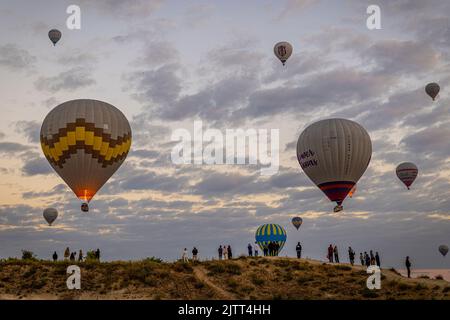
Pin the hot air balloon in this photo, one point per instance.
(283, 51)
(407, 173)
(334, 154)
(297, 222)
(54, 36)
(270, 233)
(50, 215)
(432, 89)
(443, 249)
(352, 192)
(85, 142)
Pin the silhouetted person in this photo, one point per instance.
(80, 256)
(256, 251)
(220, 251)
(250, 250)
(361, 257)
(230, 254)
(367, 259)
(266, 250)
(55, 256)
(72, 256)
(298, 248)
(336, 254)
(330, 254)
(408, 266)
(66, 254)
(97, 254)
(194, 254)
(351, 255)
(372, 258)
(377, 259)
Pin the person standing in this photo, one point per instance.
(72, 256)
(336, 255)
(372, 258)
(408, 266)
(80, 256)
(377, 259)
(230, 254)
(266, 250)
(220, 250)
(97, 254)
(225, 252)
(256, 251)
(66, 254)
(250, 250)
(55, 256)
(330, 253)
(298, 248)
(367, 259)
(194, 254)
(351, 255)
(361, 258)
(184, 256)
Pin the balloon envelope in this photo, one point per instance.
(54, 36)
(407, 173)
(443, 249)
(283, 51)
(297, 222)
(270, 233)
(50, 215)
(432, 89)
(85, 141)
(334, 154)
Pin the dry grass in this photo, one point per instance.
(243, 278)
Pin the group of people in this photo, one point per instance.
(184, 255)
(225, 252)
(72, 256)
(370, 259)
(252, 250)
(271, 249)
(333, 252)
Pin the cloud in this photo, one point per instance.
(15, 59)
(36, 166)
(30, 129)
(70, 80)
(126, 9)
(12, 148)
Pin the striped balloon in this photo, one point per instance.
(270, 233)
(85, 141)
(407, 173)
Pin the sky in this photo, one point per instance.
(166, 64)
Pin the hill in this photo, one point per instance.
(242, 278)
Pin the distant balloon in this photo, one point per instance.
(443, 249)
(85, 141)
(50, 215)
(432, 89)
(334, 154)
(283, 51)
(352, 192)
(407, 173)
(270, 233)
(54, 36)
(297, 222)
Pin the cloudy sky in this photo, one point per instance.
(166, 64)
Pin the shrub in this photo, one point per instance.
(28, 255)
(439, 277)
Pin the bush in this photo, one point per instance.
(28, 255)
(439, 277)
(153, 259)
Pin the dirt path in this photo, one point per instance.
(200, 273)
